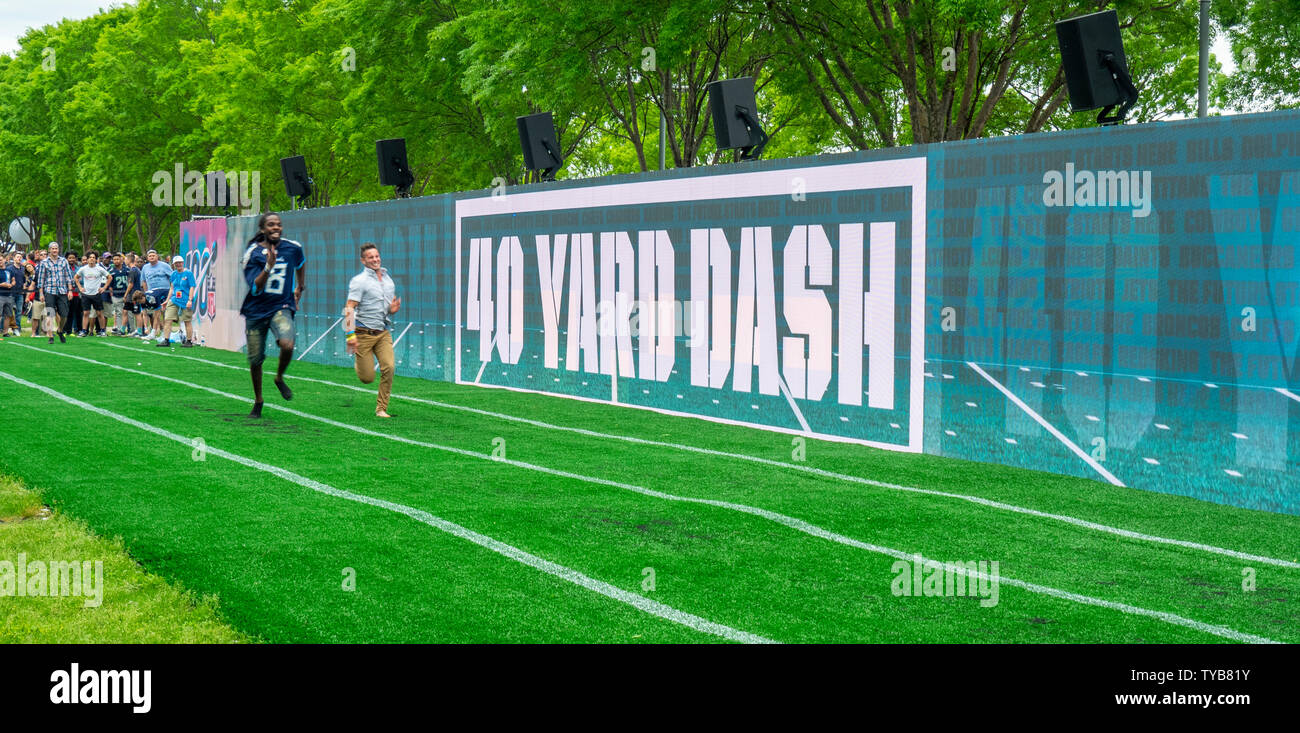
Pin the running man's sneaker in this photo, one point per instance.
(285, 392)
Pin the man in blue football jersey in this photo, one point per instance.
(274, 269)
(135, 295)
(119, 290)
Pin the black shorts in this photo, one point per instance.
(57, 302)
(92, 302)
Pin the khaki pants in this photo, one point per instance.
(371, 347)
(38, 315)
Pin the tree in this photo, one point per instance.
(1265, 41)
(890, 72)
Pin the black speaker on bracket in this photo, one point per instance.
(540, 144)
(1096, 70)
(734, 107)
(297, 184)
(393, 170)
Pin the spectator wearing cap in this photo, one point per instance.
(157, 278)
(135, 296)
(180, 303)
(119, 278)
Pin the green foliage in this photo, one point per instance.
(1264, 35)
(91, 109)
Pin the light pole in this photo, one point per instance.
(1203, 101)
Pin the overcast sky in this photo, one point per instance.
(16, 16)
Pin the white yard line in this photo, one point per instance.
(639, 602)
(1083, 523)
(403, 333)
(798, 414)
(1096, 466)
(788, 521)
(318, 338)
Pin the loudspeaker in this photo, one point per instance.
(1084, 41)
(540, 145)
(393, 170)
(729, 130)
(294, 172)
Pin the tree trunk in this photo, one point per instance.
(60, 228)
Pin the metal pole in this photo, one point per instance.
(1203, 102)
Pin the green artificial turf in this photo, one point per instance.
(131, 605)
(279, 555)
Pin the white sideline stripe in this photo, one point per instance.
(1288, 393)
(1085, 524)
(1050, 428)
(641, 603)
(318, 338)
(788, 521)
(403, 333)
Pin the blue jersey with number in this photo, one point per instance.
(277, 294)
(121, 278)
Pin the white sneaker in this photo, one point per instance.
(147, 337)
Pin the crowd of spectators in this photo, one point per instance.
(95, 293)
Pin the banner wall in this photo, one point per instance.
(1114, 303)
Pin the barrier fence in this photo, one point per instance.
(1114, 303)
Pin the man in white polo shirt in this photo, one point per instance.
(368, 323)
